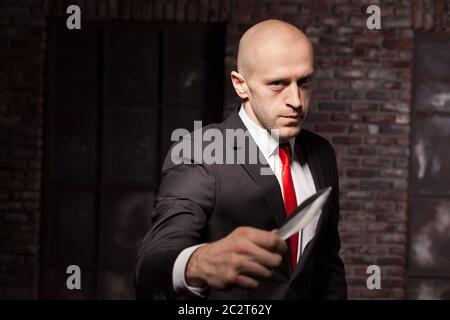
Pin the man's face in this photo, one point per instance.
(279, 88)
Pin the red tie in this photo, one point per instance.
(290, 200)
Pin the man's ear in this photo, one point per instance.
(239, 85)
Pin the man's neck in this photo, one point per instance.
(249, 111)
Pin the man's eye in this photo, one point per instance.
(277, 83)
(306, 82)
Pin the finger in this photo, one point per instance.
(263, 256)
(254, 269)
(246, 282)
(268, 240)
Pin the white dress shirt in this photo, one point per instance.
(303, 185)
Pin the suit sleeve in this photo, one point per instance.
(330, 270)
(185, 200)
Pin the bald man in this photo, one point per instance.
(214, 225)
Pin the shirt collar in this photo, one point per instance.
(266, 142)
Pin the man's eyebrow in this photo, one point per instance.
(309, 75)
(275, 78)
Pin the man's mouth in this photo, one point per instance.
(295, 117)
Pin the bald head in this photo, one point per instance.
(267, 40)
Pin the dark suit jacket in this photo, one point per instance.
(200, 203)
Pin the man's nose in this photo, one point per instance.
(293, 98)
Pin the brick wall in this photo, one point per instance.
(362, 105)
(22, 43)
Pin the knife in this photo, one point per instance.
(304, 213)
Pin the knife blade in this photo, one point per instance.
(304, 213)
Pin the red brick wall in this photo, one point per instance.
(362, 105)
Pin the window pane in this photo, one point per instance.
(431, 55)
(116, 285)
(194, 78)
(429, 237)
(428, 289)
(54, 285)
(74, 144)
(71, 225)
(177, 118)
(430, 158)
(131, 65)
(130, 145)
(433, 95)
(75, 63)
(125, 220)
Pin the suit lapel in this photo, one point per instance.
(268, 183)
(310, 154)
(307, 153)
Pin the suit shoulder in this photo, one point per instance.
(317, 142)
(187, 146)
